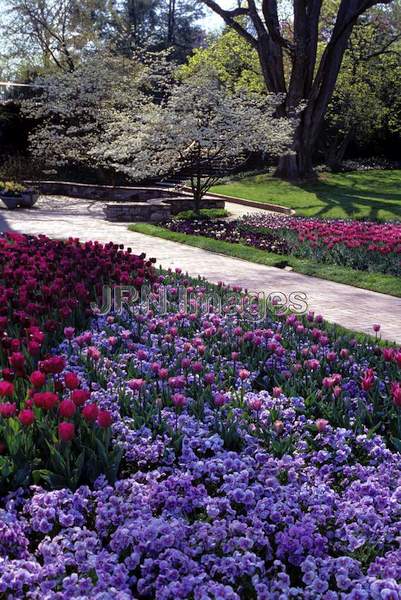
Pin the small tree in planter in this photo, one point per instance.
(200, 131)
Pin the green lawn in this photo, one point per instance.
(377, 282)
(367, 194)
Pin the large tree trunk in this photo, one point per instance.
(308, 82)
(296, 167)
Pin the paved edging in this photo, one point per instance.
(252, 203)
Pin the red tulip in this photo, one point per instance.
(388, 354)
(15, 345)
(94, 353)
(6, 389)
(255, 404)
(71, 381)
(90, 412)
(46, 400)
(368, 380)
(321, 425)
(17, 360)
(244, 374)
(163, 373)
(8, 409)
(278, 426)
(37, 378)
(55, 364)
(396, 394)
(69, 332)
(104, 419)
(67, 408)
(33, 348)
(66, 431)
(79, 397)
(135, 384)
(26, 417)
(8, 374)
(179, 400)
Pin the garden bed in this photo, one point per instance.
(363, 245)
(187, 455)
(376, 282)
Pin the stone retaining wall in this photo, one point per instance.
(138, 211)
(153, 204)
(154, 211)
(108, 193)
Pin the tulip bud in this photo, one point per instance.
(104, 419)
(66, 431)
(67, 408)
(26, 417)
(90, 412)
(321, 425)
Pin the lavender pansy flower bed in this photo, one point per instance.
(258, 461)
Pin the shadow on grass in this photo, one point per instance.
(354, 200)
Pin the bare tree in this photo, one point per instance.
(49, 33)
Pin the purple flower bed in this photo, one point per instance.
(258, 461)
(231, 231)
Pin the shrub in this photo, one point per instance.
(204, 213)
(11, 188)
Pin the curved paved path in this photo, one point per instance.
(351, 307)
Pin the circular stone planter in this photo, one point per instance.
(28, 199)
(11, 202)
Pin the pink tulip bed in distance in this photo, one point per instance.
(193, 455)
(362, 245)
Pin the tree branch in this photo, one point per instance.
(229, 18)
(270, 14)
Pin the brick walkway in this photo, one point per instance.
(351, 307)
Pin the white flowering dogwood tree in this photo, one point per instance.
(73, 110)
(132, 118)
(200, 132)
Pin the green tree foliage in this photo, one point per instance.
(156, 25)
(366, 103)
(234, 62)
(44, 36)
